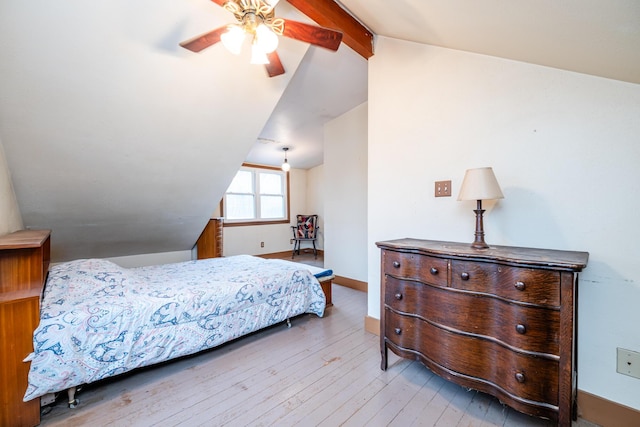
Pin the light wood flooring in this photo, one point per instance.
(321, 371)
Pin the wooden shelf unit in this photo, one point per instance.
(24, 262)
(209, 244)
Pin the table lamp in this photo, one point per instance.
(480, 184)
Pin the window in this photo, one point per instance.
(257, 195)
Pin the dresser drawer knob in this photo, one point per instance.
(398, 296)
(396, 264)
(398, 331)
(520, 377)
(520, 286)
(464, 276)
(434, 271)
(521, 329)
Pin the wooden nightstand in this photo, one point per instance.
(24, 262)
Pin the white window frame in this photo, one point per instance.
(255, 171)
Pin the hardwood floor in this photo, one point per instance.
(320, 372)
(306, 257)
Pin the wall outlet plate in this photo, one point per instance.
(628, 362)
(443, 189)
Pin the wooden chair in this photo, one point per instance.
(305, 230)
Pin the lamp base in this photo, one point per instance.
(479, 242)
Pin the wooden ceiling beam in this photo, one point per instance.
(328, 13)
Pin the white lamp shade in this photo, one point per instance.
(480, 184)
(266, 38)
(233, 39)
(258, 56)
(286, 166)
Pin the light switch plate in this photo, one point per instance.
(443, 189)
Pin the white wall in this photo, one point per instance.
(10, 219)
(564, 146)
(246, 240)
(151, 259)
(345, 171)
(315, 202)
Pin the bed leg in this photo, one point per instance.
(288, 323)
(73, 402)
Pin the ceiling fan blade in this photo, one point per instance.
(319, 36)
(220, 2)
(274, 67)
(203, 41)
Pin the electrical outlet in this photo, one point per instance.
(629, 362)
(262, 244)
(443, 189)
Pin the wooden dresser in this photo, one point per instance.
(24, 262)
(209, 244)
(500, 320)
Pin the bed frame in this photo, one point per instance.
(326, 283)
(201, 318)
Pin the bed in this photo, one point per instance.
(99, 320)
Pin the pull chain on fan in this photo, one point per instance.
(256, 18)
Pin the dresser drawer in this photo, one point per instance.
(531, 378)
(413, 266)
(406, 296)
(528, 285)
(532, 329)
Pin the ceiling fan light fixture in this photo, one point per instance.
(256, 18)
(266, 38)
(233, 38)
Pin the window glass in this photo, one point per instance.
(271, 207)
(271, 183)
(240, 206)
(257, 195)
(242, 183)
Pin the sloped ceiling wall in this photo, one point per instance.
(595, 37)
(117, 139)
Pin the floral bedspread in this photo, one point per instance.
(99, 320)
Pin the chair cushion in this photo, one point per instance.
(306, 226)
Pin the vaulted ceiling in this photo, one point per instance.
(595, 37)
(122, 142)
(586, 36)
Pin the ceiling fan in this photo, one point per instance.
(256, 18)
